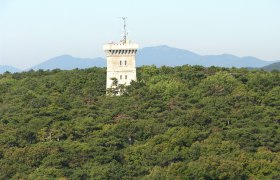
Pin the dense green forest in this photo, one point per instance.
(186, 122)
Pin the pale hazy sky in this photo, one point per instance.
(32, 31)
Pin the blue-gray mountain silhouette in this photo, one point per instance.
(157, 55)
(164, 55)
(67, 62)
(273, 66)
(11, 69)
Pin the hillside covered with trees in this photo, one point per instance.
(186, 122)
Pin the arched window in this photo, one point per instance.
(120, 63)
(120, 76)
(125, 76)
(125, 62)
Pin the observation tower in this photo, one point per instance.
(121, 60)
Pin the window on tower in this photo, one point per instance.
(125, 76)
(120, 76)
(120, 63)
(125, 62)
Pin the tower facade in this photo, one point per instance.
(121, 61)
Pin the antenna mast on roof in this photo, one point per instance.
(124, 29)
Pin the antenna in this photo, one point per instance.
(124, 29)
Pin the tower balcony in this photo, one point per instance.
(120, 48)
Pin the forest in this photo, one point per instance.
(185, 122)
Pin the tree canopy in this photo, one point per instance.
(186, 122)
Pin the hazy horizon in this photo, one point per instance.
(33, 31)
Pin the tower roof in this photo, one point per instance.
(121, 46)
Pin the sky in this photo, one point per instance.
(32, 31)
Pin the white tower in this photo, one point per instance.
(121, 60)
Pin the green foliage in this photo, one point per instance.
(174, 123)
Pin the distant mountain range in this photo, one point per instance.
(159, 56)
(164, 55)
(11, 69)
(67, 62)
(273, 66)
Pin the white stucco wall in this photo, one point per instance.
(121, 62)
